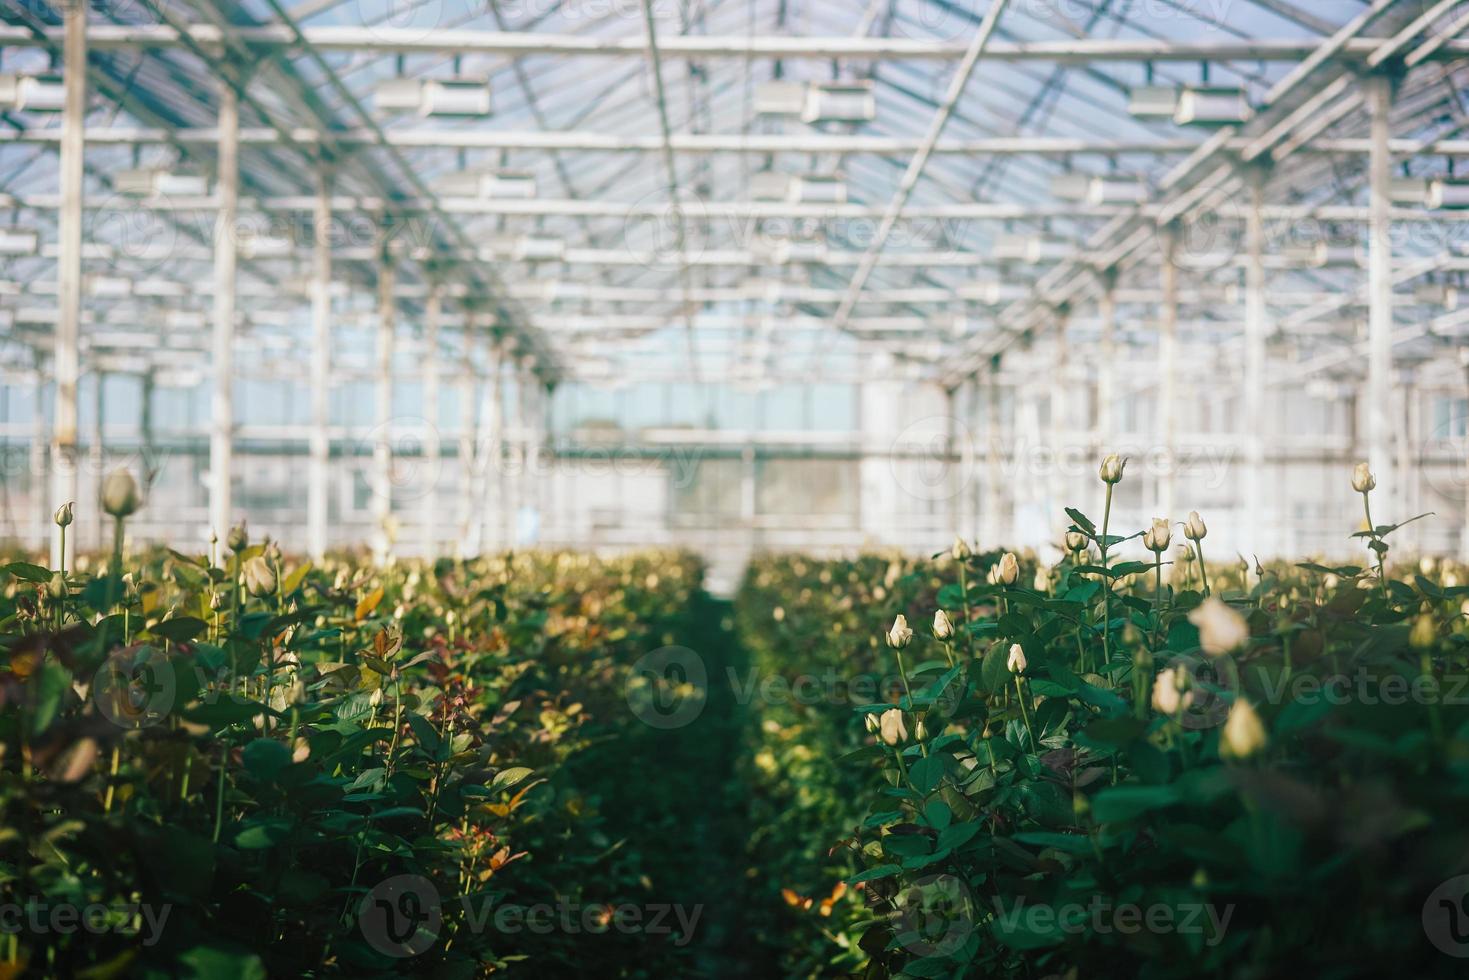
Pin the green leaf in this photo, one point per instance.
(1117, 803)
(180, 629)
(938, 814)
(510, 778)
(265, 758)
(221, 961)
(873, 874)
(263, 834)
(51, 687)
(27, 572)
(926, 773)
(1083, 523)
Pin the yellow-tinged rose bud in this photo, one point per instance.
(239, 538)
(1016, 662)
(920, 731)
(1156, 538)
(56, 588)
(1194, 528)
(891, 728)
(1243, 734)
(899, 636)
(259, 577)
(1362, 479)
(64, 514)
(1075, 541)
(1170, 692)
(1009, 569)
(1112, 466)
(960, 549)
(1221, 629)
(120, 495)
(942, 627)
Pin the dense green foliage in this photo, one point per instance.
(255, 757)
(1128, 798)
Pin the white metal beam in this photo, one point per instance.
(1253, 390)
(222, 415)
(758, 144)
(1380, 299)
(66, 362)
(318, 485)
(382, 445)
(381, 39)
(432, 314)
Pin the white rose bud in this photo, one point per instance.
(1221, 629)
(1075, 541)
(1112, 466)
(259, 577)
(239, 538)
(900, 635)
(870, 721)
(960, 549)
(1156, 538)
(920, 731)
(942, 627)
(1016, 662)
(1194, 528)
(120, 493)
(1170, 694)
(1008, 570)
(1243, 734)
(64, 514)
(891, 728)
(1362, 479)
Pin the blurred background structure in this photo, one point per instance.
(447, 275)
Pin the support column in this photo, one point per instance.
(1168, 365)
(491, 456)
(1060, 416)
(433, 312)
(318, 478)
(145, 430)
(524, 440)
(953, 474)
(1410, 500)
(222, 430)
(40, 488)
(1380, 300)
(500, 452)
(66, 362)
(96, 459)
(382, 447)
(1106, 366)
(1464, 531)
(994, 527)
(1253, 388)
(471, 491)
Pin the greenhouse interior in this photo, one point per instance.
(713, 488)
